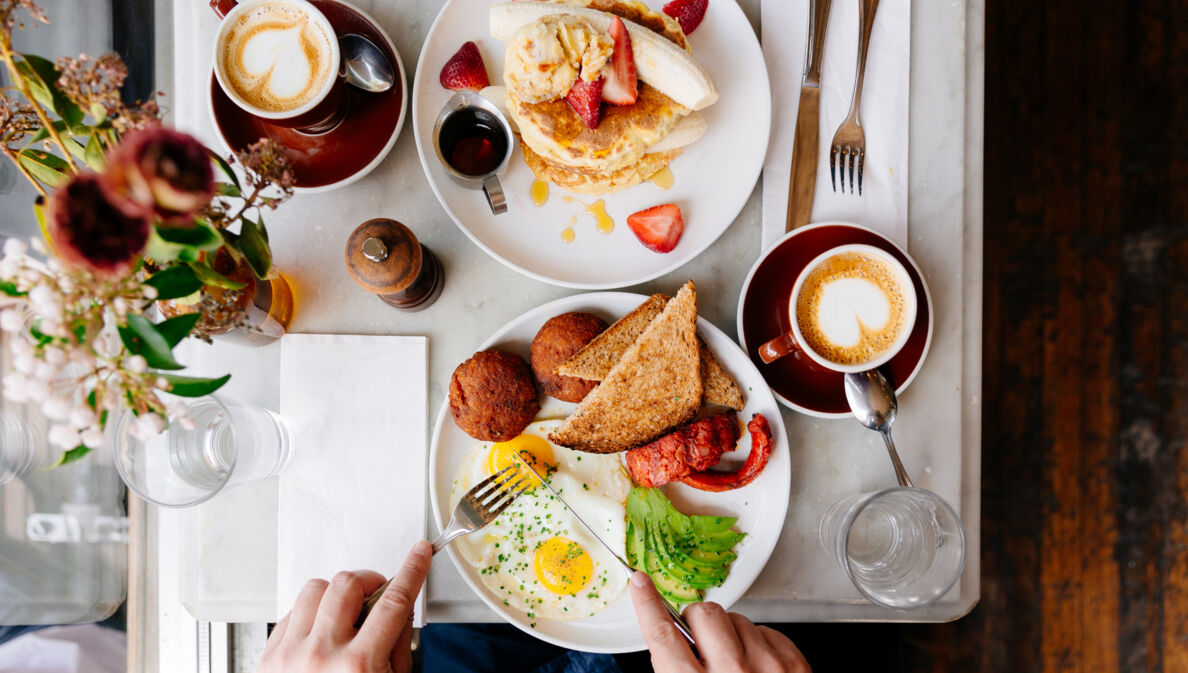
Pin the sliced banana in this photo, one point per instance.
(686, 132)
(498, 96)
(660, 63)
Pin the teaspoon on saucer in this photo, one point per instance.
(872, 399)
(364, 65)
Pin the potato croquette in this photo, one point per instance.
(557, 340)
(492, 395)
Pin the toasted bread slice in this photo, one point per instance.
(718, 387)
(596, 359)
(653, 388)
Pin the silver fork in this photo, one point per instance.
(479, 507)
(850, 140)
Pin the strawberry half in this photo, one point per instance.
(621, 87)
(586, 100)
(688, 13)
(465, 70)
(659, 228)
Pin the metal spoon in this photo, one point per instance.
(364, 65)
(872, 399)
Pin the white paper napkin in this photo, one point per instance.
(354, 495)
(884, 201)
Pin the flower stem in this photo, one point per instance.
(9, 57)
(24, 171)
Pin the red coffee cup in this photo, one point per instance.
(806, 316)
(321, 99)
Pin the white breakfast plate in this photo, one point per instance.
(760, 506)
(714, 177)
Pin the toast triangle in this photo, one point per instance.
(653, 388)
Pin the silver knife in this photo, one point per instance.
(677, 619)
(805, 146)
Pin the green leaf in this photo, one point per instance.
(93, 155)
(99, 113)
(11, 290)
(227, 189)
(201, 236)
(70, 456)
(175, 282)
(189, 386)
(253, 243)
(48, 168)
(177, 244)
(209, 276)
(43, 133)
(142, 338)
(226, 168)
(175, 329)
(43, 77)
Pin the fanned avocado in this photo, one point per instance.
(679, 567)
(683, 554)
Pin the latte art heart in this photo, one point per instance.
(852, 308)
(277, 58)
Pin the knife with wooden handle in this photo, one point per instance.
(805, 146)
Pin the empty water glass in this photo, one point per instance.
(219, 444)
(18, 447)
(903, 548)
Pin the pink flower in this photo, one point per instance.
(91, 231)
(165, 173)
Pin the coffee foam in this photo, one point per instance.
(277, 57)
(852, 308)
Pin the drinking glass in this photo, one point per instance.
(229, 443)
(17, 446)
(903, 548)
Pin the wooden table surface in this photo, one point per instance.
(1084, 463)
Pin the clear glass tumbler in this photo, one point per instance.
(17, 446)
(228, 443)
(903, 548)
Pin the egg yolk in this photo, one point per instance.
(534, 450)
(562, 566)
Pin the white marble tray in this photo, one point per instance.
(939, 426)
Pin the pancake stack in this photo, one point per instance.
(632, 142)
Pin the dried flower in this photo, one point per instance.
(94, 85)
(93, 231)
(166, 174)
(268, 165)
(8, 9)
(17, 120)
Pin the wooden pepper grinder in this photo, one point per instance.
(386, 259)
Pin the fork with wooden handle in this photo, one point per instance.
(479, 507)
(850, 139)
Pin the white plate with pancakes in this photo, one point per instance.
(760, 506)
(712, 178)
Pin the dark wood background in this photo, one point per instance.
(1085, 365)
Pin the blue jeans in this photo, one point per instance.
(500, 648)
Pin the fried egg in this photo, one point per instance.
(536, 557)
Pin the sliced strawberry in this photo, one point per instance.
(621, 87)
(688, 13)
(659, 227)
(465, 70)
(586, 100)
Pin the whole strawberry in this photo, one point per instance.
(465, 70)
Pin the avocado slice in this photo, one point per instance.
(681, 568)
(676, 592)
(635, 545)
(708, 525)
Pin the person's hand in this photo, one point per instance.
(727, 642)
(319, 634)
